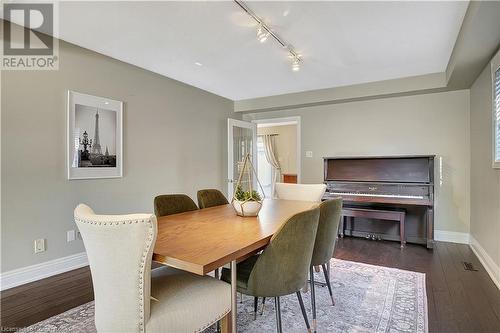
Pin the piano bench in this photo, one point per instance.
(380, 214)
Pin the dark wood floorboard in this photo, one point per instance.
(30, 303)
(459, 301)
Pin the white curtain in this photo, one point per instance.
(272, 159)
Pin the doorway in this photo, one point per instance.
(284, 135)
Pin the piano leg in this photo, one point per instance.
(430, 227)
(402, 234)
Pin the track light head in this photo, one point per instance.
(295, 62)
(262, 33)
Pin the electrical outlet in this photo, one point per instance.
(39, 245)
(309, 153)
(70, 236)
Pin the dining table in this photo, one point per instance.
(204, 240)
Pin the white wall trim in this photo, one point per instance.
(451, 236)
(488, 263)
(43, 270)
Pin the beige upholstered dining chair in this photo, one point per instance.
(129, 296)
(302, 192)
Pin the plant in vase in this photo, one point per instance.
(246, 203)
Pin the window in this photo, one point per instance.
(495, 73)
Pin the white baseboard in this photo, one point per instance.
(36, 272)
(451, 236)
(488, 263)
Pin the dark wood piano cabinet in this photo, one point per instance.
(385, 182)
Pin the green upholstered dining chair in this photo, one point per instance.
(210, 198)
(169, 204)
(282, 268)
(329, 218)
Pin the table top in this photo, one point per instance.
(202, 240)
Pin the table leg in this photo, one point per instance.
(226, 323)
(234, 296)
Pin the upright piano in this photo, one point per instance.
(385, 182)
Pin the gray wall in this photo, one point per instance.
(422, 124)
(174, 141)
(485, 181)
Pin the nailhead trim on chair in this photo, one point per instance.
(219, 317)
(149, 242)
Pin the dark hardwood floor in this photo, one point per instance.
(33, 302)
(458, 300)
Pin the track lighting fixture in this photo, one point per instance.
(264, 31)
(295, 63)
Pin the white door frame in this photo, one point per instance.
(296, 120)
(230, 167)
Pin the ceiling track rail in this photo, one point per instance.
(273, 34)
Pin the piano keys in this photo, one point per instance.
(386, 182)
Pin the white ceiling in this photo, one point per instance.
(342, 43)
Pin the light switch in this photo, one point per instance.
(309, 153)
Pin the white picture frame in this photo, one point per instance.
(495, 66)
(90, 155)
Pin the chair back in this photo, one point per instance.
(119, 249)
(210, 198)
(329, 218)
(283, 266)
(302, 192)
(169, 204)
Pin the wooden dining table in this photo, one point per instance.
(203, 240)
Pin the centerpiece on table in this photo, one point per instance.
(246, 201)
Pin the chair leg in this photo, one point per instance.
(278, 314)
(327, 279)
(313, 297)
(255, 301)
(303, 309)
(263, 305)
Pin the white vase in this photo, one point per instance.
(247, 208)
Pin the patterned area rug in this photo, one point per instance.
(368, 299)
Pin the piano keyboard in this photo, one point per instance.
(378, 195)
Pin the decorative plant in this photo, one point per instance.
(241, 195)
(246, 201)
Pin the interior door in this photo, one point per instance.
(241, 140)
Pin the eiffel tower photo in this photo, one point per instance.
(95, 147)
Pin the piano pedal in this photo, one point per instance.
(373, 237)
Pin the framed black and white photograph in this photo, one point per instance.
(94, 137)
